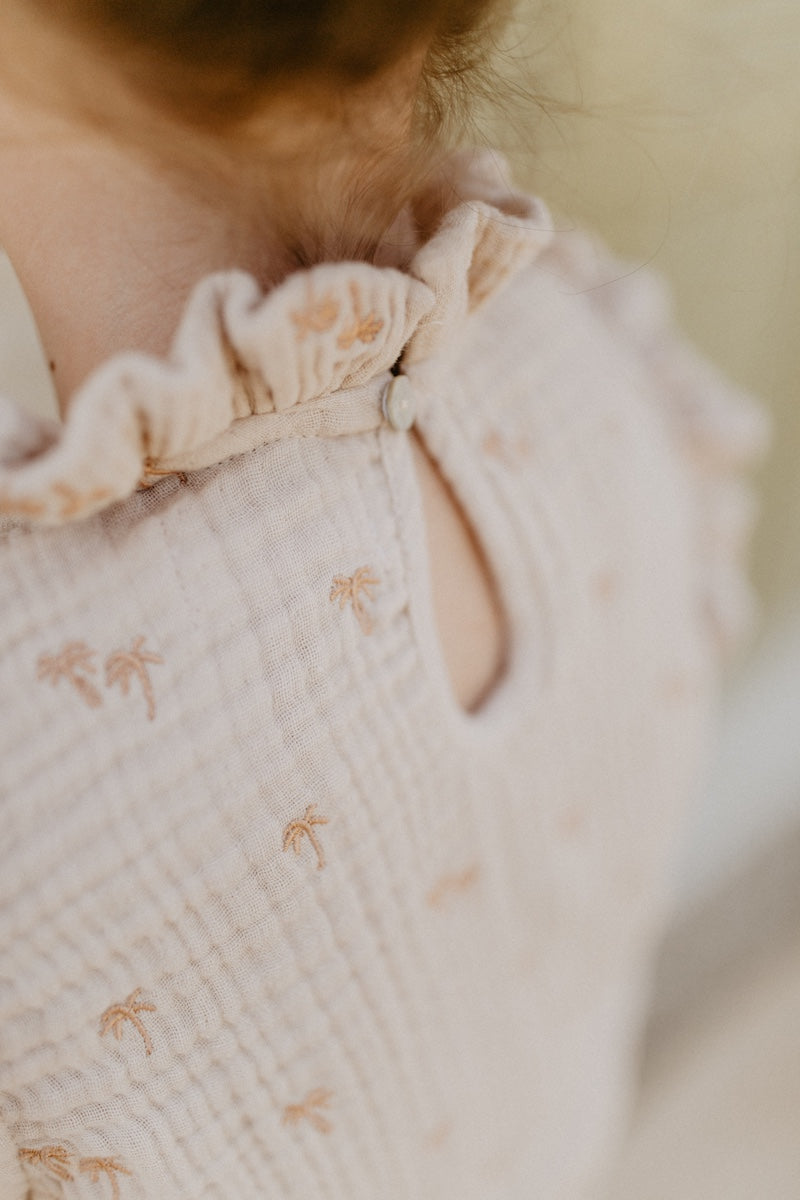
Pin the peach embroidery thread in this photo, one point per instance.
(123, 665)
(73, 663)
(54, 1159)
(363, 329)
(604, 584)
(110, 1167)
(302, 827)
(309, 1110)
(317, 318)
(573, 820)
(349, 589)
(452, 884)
(438, 1136)
(116, 1015)
(508, 450)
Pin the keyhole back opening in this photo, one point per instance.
(470, 621)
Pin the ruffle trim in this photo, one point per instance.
(307, 359)
(721, 431)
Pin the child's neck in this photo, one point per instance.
(107, 245)
(107, 251)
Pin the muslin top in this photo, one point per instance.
(277, 917)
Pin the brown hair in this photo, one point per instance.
(214, 61)
(313, 120)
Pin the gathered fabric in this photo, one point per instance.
(277, 916)
(306, 360)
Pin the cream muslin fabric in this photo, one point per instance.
(278, 918)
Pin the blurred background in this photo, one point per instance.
(672, 127)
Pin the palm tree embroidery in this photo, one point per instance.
(54, 1159)
(510, 451)
(572, 820)
(309, 1110)
(439, 1135)
(304, 827)
(363, 329)
(73, 663)
(122, 665)
(116, 1015)
(350, 588)
(449, 884)
(317, 318)
(110, 1167)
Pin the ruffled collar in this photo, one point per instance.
(308, 358)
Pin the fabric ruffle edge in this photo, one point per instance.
(722, 432)
(245, 367)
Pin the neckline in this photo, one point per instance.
(306, 359)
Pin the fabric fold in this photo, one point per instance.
(245, 367)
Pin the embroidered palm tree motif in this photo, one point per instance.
(439, 1135)
(450, 885)
(55, 1159)
(110, 1167)
(509, 450)
(363, 329)
(123, 665)
(604, 584)
(317, 318)
(295, 831)
(348, 589)
(73, 503)
(116, 1015)
(573, 820)
(309, 1110)
(493, 445)
(73, 663)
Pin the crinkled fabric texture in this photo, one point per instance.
(277, 918)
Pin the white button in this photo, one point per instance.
(399, 403)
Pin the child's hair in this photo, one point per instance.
(321, 115)
(212, 62)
